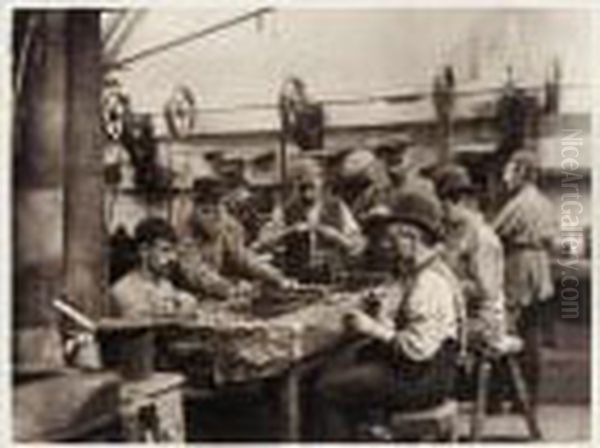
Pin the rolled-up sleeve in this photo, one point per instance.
(200, 277)
(430, 318)
(351, 230)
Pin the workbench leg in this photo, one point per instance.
(289, 401)
(479, 409)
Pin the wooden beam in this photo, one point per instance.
(38, 142)
(84, 232)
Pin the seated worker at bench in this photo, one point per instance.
(147, 289)
(408, 363)
(215, 254)
(315, 231)
(475, 254)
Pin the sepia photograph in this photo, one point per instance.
(276, 223)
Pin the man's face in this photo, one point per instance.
(206, 217)
(309, 190)
(398, 167)
(161, 256)
(512, 176)
(407, 239)
(452, 211)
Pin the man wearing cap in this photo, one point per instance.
(365, 182)
(474, 252)
(216, 251)
(527, 228)
(402, 171)
(407, 363)
(147, 290)
(315, 229)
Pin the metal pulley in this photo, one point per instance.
(302, 120)
(115, 108)
(180, 112)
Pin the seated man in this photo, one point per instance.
(147, 290)
(216, 252)
(316, 230)
(364, 183)
(378, 259)
(474, 252)
(407, 363)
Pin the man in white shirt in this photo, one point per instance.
(408, 363)
(475, 254)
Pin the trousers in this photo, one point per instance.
(365, 381)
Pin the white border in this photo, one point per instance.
(6, 154)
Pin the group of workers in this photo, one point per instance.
(457, 271)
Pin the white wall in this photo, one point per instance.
(348, 53)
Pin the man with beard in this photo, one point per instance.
(406, 362)
(315, 230)
(215, 255)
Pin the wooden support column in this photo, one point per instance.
(84, 229)
(37, 192)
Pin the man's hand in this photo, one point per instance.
(299, 227)
(185, 303)
(288, 283)
(328, 232)
(241, 289)
(365, 325)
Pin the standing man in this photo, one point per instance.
(315, 230)
(527, 228)
(408, 362)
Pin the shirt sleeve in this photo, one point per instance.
(507, 219)
(246, 263)
(430, 319)
(488, 271)
(351, 229)
(271, 231)
(200, 277)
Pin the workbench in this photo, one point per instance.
(243, 347)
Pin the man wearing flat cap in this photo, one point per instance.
(216, 254)
(406, 363)
(365, 182)
(403, 172)
(315, 230)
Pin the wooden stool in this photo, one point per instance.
(510, 348)
(439, 423)
(152, 409)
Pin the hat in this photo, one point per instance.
(418, 208)
(356, 163)
(209, 188)
(451, 179)
(378, 213)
